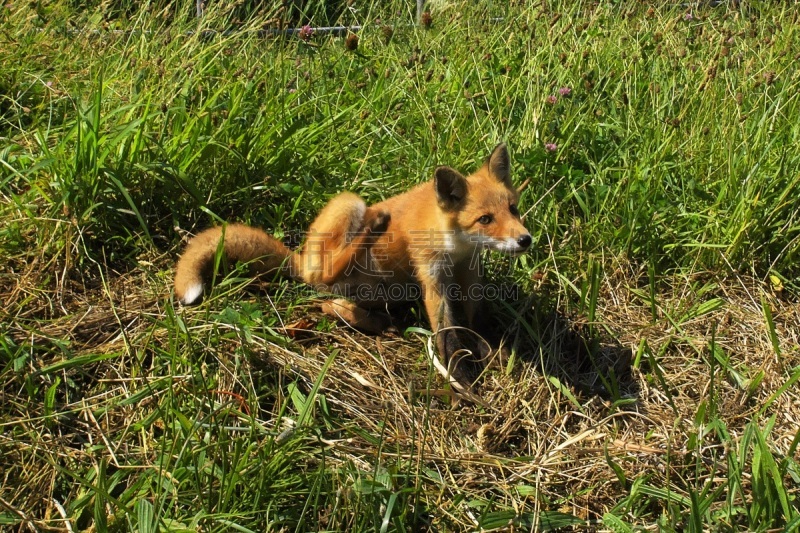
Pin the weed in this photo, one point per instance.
(655, 362)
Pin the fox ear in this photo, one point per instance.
(450, 185)
(499, 165)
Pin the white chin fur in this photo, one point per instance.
(193, 293)
(508, 246)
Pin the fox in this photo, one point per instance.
(424, 244)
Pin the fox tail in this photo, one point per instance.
(263, 253)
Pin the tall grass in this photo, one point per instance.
(663, 150)
(677, 133)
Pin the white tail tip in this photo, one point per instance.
(192, 294)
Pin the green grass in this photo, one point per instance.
(656, 356)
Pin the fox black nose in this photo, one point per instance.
(524, 241)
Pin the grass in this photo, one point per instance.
(654, 382)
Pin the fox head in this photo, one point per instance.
(482, 208)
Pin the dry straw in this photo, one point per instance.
(549, 423)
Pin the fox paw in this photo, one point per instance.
(376, 222)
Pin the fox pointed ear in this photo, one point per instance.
(499, 164)
(451, 187)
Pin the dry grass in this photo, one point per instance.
(651, 391)
(534, 444)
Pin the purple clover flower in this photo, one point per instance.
(688, 16)
(552, 99)
(306, 32)
(565, 91)
(550, 147)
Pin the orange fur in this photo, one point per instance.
(428, 237)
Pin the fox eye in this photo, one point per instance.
(514, 210)
(485, 220)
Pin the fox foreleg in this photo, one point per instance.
(459, 318)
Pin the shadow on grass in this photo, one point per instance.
(572, 352)
(565, 347)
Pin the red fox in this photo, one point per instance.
(424, 243)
